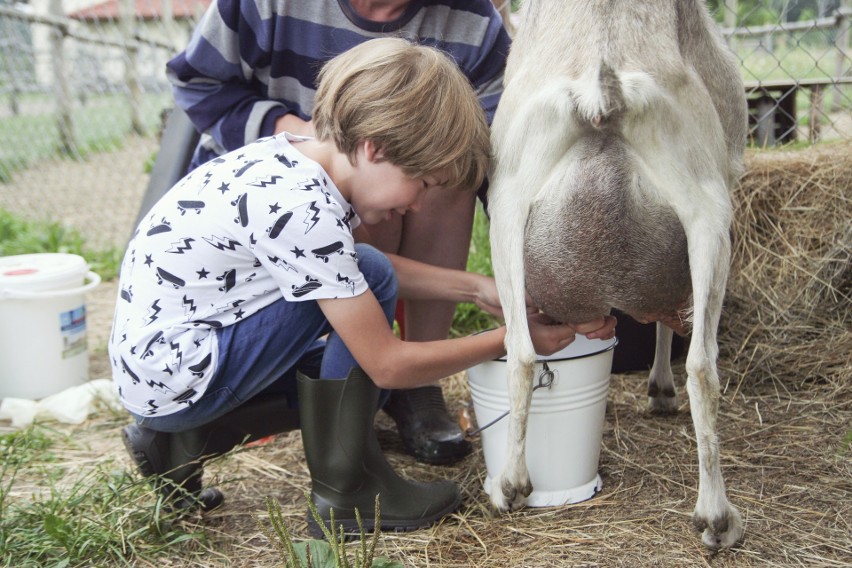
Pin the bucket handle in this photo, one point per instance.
(545, 380)
(17, 294)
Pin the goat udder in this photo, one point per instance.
(675, 320)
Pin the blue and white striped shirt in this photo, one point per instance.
(249, 62)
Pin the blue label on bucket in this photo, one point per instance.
(72, 325)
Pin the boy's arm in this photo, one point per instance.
(393, 363)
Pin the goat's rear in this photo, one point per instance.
(620, 130)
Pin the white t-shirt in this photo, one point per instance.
(238, 233)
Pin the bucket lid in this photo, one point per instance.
(42, 271)
(581, 347)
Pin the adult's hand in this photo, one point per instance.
(294, 125)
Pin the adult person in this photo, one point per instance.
(250, 71)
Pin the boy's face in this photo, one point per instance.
(381, 189)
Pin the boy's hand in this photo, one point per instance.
(547, 336)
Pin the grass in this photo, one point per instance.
(328, 553)
(101, 124)
(55, 512)
(468, 318)
(18, 236)
(79, 516)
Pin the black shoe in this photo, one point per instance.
(177, 458)
(179, 484)
(428, 432)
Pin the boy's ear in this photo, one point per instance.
(371, 152)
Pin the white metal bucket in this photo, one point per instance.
(43, 347)
(565, 425)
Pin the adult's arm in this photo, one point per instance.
(215, 80)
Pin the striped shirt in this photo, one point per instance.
(249, 62)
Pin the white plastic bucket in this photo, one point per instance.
(565, 426)
(43, 346)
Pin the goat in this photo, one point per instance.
(617, 140)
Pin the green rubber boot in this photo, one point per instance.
(348, 468)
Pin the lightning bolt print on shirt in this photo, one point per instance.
(255, 226)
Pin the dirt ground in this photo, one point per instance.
(784, 452)
(783, 456)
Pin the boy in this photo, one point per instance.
(250, 71)
(238, 272)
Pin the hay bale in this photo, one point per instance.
(787, 314)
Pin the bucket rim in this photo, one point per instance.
(611, 344)
(24, 273)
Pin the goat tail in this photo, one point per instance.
(598, 97)
(612, 102)
(604, 95)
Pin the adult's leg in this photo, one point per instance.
(438, 234)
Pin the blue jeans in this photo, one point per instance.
(261, 354)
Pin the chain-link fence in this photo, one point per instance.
(83, 90)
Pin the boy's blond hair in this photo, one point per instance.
(412, 102)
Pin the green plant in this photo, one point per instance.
(101, 124)
(100, 517)
(846, 444)
(469, 318)
(19, 236)
(328, 553)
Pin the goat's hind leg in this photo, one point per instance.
(543, 128)
(662, 398)
(511, 486)
(709, 254)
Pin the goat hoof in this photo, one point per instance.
(722, 531)
(662, 404)
(507, 495)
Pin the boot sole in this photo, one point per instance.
(351, 529)
(133, 437)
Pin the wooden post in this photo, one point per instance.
(844, 20)
(131, 73)
(765, 130)
(61, 88)
(13, 100)
(168, 19)
(731, 8)
(815, 114)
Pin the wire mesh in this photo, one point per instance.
(83, 93)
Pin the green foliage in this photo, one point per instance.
(846, 444)
(148, 166)
(101, 124)
(19, 236)
(328, 553)
(98, 518)
(469, 318)
(25, 446)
